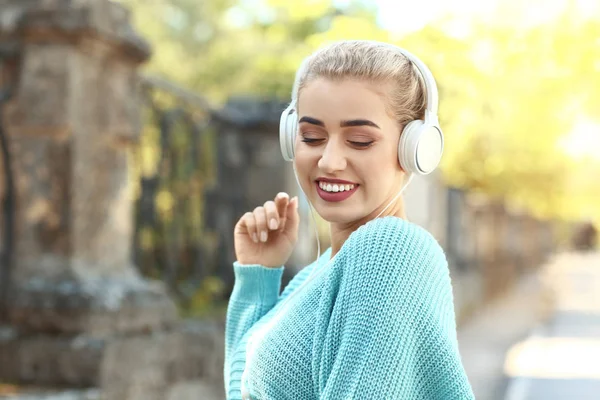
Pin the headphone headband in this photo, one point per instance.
(428, 79)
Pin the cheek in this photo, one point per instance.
(306, 157)
(379, 169)
(304, 166)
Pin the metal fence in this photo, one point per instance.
(8, 187)
(196, 169)
(174, 165)
(485, 236)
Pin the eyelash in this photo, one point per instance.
(358, 144)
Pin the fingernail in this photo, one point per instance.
(273, 223)
(255, 238)
(263, 236)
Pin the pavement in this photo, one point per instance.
(560, 360)
(487, 335)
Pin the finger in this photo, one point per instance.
(293, 218)
(281, 201)
(272, 215)
(261, 223)
(250, 222)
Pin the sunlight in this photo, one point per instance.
(406, 17)
(583, 141)
(558, 358)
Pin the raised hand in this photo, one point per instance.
(267, 235)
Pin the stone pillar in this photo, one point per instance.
(74, 111)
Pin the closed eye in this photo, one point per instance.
(309, 140)
(357, 144)
(362, 144)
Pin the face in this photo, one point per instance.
(346, 152)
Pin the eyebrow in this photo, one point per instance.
(343, 124)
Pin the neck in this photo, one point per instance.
(339, 232)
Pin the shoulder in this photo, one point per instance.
(393, 235)
(393, 243)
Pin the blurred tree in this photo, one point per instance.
(510, 94)
(226, 47)
(510, 91)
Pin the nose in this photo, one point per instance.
(333, 158)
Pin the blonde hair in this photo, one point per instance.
(376, 62)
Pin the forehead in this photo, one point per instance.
(340, 99)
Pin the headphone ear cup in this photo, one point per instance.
(420, 147)
(288, 125)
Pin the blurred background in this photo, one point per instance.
(135, 133)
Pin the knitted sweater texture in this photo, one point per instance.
(375, 323)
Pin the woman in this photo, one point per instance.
(373, 316)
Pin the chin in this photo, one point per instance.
(344, 212)
(337, 215)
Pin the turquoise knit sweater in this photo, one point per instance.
(376, 323)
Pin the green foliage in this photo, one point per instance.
(508, 97)
(206, 300)
(224, 47)
(509, 92)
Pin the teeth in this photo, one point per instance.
(334, 188)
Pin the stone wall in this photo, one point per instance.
(78, 314)
(488, 245)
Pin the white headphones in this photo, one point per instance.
(421, 142)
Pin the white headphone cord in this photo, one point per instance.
(311, 213)
(410, 176)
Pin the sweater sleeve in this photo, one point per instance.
(255, 292)
(392, 330)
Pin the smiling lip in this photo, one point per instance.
(335, 197)
(332, 180)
